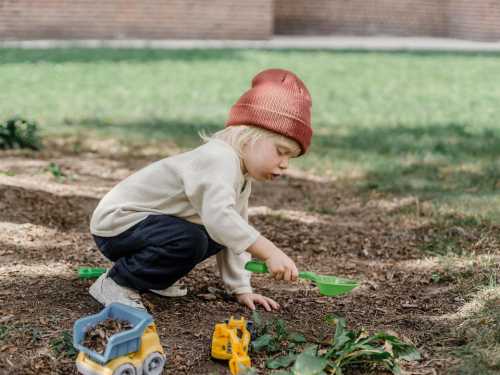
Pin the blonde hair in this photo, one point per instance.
(238, 136)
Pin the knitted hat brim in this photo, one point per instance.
(280, 123)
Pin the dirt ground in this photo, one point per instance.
(323, 225)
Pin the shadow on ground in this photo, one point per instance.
(131, 55)
(442, 159)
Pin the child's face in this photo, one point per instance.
(266, 159)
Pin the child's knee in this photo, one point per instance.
(196, 244)
(102, 245)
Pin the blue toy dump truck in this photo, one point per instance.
(135, 351)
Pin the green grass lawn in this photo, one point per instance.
(424, 124)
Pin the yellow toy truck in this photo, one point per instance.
(136, 351)
(230, 341)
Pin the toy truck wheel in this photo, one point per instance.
(125, 369)
(153, 364)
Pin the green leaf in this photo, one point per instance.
(311, 349)
(63, 344)
(330, 319)
(4, 331)
(307, 364)
(372, 352)
(342, 335)
(262, 342)
(409, 354)
(341, 343)
(351, 356)
(282, 372)
(19, 133)
(247, 371)
(341, 340)
(280, 327)
(400, 349)
(395, 369)
(296, 337)
(282, 361)
(257, 320)
(55, 170)
(274, 346)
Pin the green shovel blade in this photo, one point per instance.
(328, 285)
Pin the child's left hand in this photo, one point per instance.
(250, 299)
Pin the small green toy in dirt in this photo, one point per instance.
(90, 272)
(328, 285)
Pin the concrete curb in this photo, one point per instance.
(378, 43)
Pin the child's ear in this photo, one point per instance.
(244, 149)
(248, 144)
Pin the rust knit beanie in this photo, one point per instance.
(278, 101)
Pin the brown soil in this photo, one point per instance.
(323, 225)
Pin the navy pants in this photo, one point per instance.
(156, 252)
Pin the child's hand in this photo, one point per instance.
(250, 299)
(282, 267)
(278, 263)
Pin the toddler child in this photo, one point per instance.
(161, 221)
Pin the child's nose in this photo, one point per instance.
(284, 163)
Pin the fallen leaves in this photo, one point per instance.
(97, 337)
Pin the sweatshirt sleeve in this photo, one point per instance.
(232, 266)
(212, 185)
(232, 269)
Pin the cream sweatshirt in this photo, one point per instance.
(204, 186)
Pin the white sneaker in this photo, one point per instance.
(106, 291)
(177, 289)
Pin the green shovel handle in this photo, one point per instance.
(256, 266)
(90, 272)
(260, 267)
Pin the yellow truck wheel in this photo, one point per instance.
(153, 364)
(238, 366)
(125, 369)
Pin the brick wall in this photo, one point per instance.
(467, 19)
(246, 19)
(478, 19)
(136, 19)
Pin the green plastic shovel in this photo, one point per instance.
(328, 285)
(90, 272)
